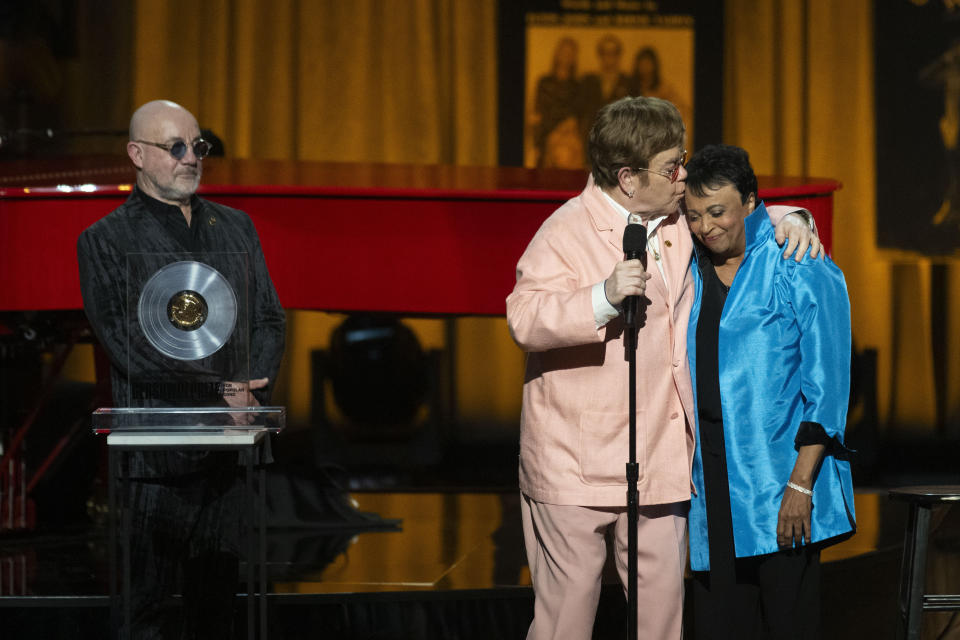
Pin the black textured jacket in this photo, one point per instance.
(119, 244)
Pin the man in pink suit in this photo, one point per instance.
(565, 312)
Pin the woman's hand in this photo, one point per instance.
(793, 523)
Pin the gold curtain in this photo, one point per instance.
(798, 95)
(411, 81)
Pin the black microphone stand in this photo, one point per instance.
(633, 474)
(634, 247)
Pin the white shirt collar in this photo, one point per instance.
(651, 224)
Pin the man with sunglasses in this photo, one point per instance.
(565, 311)
(187, 513)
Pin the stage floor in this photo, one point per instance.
(455, 541)
(458, 547)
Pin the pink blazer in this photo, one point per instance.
(574, 431)
(574, 438)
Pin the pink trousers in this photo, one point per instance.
(566, 551)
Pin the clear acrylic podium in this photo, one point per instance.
(183, 343)
(241, 429)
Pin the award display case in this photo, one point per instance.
(187, 328)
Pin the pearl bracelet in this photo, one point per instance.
(803, 490)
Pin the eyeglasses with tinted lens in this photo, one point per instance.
(178, 149)
(673, 174)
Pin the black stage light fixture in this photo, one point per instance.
(378, 371)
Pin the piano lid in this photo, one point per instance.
(100, 174)
(230, 175)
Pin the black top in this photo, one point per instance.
(172, 219)
(144, 225)
(708, 366)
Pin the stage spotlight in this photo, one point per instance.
(378, 371)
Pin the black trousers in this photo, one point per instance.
(769, 597)
(184, 542)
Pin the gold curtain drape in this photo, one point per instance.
(361, 81)
(798, 95)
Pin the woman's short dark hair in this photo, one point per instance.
(717, 165)
(629, 132)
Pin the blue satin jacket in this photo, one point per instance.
(784, 352)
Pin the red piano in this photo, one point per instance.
(410, 239)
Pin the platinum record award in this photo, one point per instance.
(187, 310)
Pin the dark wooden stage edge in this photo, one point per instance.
(409, 239)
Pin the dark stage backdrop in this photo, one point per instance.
(561, 60)
(918, 116)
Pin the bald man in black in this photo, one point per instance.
(187, 506)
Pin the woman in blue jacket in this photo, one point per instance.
(769, 349)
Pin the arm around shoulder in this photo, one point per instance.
(795, 227)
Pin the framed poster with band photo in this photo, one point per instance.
(562, 60)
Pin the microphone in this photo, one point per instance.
(634, 248)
